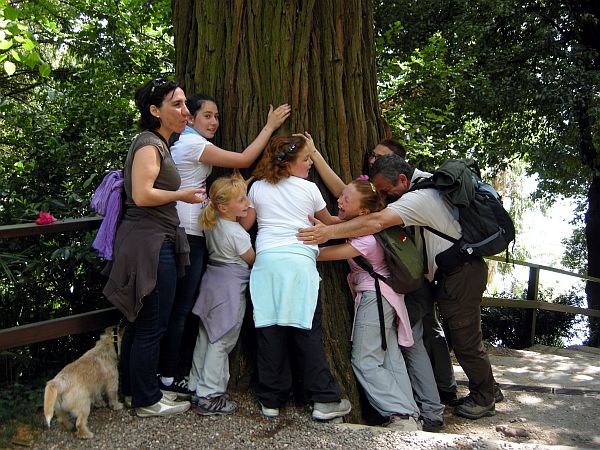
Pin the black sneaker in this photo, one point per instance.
(433, 426)
(178, 387)
(215, 406)
(498, 397)
(471, 410)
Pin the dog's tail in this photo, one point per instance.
(50, 395)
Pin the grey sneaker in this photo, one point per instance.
(269, 413)
(331, 410)
(403, 422)
(164, 407)
(214, 406)
(472, 410)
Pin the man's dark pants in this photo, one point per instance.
(459, 295)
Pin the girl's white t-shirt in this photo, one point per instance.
(282, 209)
(186, 153)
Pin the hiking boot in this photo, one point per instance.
(163, 407)
(472, 410)
(215, 406)
(403, 422)
(331, 410)
(178, 387)
(269, 413)
(498, 397)
(432, 425)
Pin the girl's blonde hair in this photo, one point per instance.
(274, 165)
(221, 191)
(370, 198)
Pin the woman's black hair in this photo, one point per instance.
(195, 102)
(153, 92)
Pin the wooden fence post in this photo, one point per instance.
(532, 294)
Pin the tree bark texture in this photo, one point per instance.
(319, 57)
(592, 232)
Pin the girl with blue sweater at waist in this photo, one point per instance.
(284, 283)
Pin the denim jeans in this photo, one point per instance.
(140, 347)
(185, 297)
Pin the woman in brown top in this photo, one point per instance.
(150, 248)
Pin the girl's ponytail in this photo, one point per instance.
(208, 216)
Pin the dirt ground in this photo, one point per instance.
(552, 397)
(551, 400)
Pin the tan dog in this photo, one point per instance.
(81, 383)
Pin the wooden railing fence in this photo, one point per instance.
(94, 320)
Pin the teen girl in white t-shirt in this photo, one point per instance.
(194, 157)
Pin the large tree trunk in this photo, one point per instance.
(316, 55)
(592, 232)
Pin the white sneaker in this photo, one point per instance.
(164, 407)
(331, 410)
(128, 399)
(270, 413)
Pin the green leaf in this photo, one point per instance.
(32, 59)
(9, 67)
(45, 69)
(5, 45)
(28, 45)
(11, 13)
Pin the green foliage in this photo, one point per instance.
(18, 46)
(59, 135)
(499, 80)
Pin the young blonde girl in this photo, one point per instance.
(382, 373)
(284, 284)
(221, 303)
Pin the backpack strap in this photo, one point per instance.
(367, 267)
(440, 234)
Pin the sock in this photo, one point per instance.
(167, 381)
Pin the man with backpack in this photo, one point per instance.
(459, 289)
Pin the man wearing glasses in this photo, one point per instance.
(386, 147)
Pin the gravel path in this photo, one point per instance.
(546, 419)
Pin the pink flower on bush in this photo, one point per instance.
(45, 219)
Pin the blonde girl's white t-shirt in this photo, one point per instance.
(186, 153)
(282, 209)
(227, 241)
